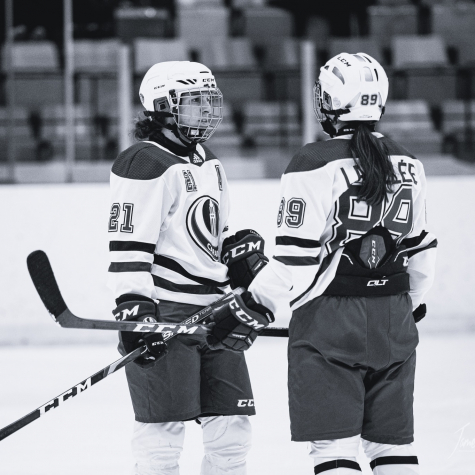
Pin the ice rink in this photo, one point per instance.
(91, 433)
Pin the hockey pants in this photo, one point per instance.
(226, 439)
(338, 457)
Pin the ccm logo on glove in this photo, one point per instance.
(240, 314)
(248, 247)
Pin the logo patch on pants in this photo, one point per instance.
(245, 403)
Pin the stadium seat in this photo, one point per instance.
(283, 52)
(263, 25)
(456, 24)
(96, 55)
(237, 85)
(455, 116)
(356, 45)
(150, 51)
(272, 123)
(230, 53)
(201, 23)
(33, 56)
(387, 21)
(409, 123)
(145, 22)
(417, 51)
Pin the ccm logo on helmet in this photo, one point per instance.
(241, 249)
(245, 403)
(376, 283)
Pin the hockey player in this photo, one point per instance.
(170, 206)
(354, 259)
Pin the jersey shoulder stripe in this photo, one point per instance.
(396, 149)
(209, 154)
(317, 154)
(144, 161)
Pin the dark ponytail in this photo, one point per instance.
(372, 157)
(145, 128)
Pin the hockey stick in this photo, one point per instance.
(45, 283)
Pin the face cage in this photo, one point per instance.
(198, 113)
(317, 102)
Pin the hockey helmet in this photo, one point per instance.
(187, 92)
(351, 87)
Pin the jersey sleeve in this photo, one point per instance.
(139, 208)
(421, 248)
(225, 206)
(304, 207)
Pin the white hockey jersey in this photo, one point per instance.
(167, 223)
(319, 213)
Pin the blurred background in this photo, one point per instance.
(70, 73)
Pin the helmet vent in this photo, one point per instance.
(326, 67)
(338, 74)
(367, 75)
(367, 59)
(377, 77)
(359, 58)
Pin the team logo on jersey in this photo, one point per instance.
(189, 181)
(280, 214)
(202, 222)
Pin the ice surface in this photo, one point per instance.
(90, 434)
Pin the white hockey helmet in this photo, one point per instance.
(165, 87)
(352, 87)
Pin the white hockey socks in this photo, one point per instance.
(389, 459)
(157, 447)
(226, 440)
(336, 457)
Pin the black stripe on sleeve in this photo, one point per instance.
(394, 460)
(170, 264)
(185, 288)
(413, 252)
(131, 246)
(130, 267)
(338, 463)
(297, 261)
(299, 242)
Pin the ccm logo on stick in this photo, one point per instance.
(376, 283)
(63, 397)
(245, 403)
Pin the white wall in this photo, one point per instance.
(69, 222)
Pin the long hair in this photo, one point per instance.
(144, 128)
(372, 157)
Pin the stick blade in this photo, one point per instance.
(45, 283)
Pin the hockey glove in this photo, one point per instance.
(138, 308)
(243, 253)
(238, 322)
(420, 312)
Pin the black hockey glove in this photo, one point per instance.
(138, 308)
(243, 253)
(420, 312)
(238, 322)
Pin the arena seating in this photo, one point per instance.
(356, 45)
(151, 51)
(410, 123)
(416, 51)
(96, 55)
(444, 17)
(40, 56)
(388, 21)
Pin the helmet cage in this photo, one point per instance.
(197, 112)
(322, 104)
